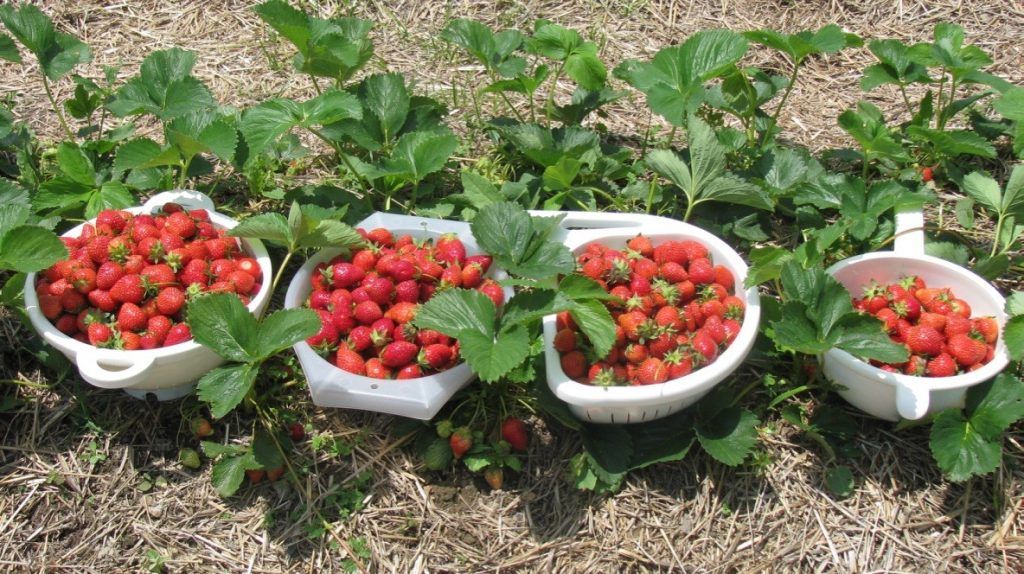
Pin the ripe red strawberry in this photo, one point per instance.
(472, 275)
(128, 289)
(250, 266)
(130, 341)
(715, 328)
(72, 301)
(367, 312)
(701, 271)
(513, 431)
(255, 476)
(449, 249)
(435, 356)
(178, 334)
(988, 328)
(663, 343)
(50, 306)
(678, 363)
(960, 307)
(642, 245)
(67, 324)
(923, 340)
(704, 345)
(941, 366)
(242, 281)
(346, 275)
(159, 326)
(574, 364)
(327, 335)
(108, 274)
(348, 360)
(966, 350)
(377, 369)
(196, 272)
(83, 280)
(381, 237)
(673, 251)
(595, 268)
(934, 320)
(651, 372)
(565, 340)
(402, 312)
(724, 277)
(927, 174)
(916, 366)
(399, 354)
(131, 318)
(180, 224)
(493, 291)
(460, 441)
(673, 272)
(100, 334)
(379, 289)
(170, 300)
(957, 325)
(412, 371)
(694, 249)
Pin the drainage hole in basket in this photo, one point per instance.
(373, 386)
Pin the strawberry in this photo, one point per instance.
(694, 249)
(923, 340)
(916, 366)
(402, 312)
(178, 334)
(195, 272)
(275, 473)
(704, 345)
(408, 291)
(449, 249)
(50, 306)
(960, 307)
(565, 340)
(381, 237)
(367, 312)
(67, 324)
(988, 328)
(678, 363)
(957, 325)
(934, 320)
(398, 354)
(377, 369)
(170, 300)
(673, 272)
(513, 431)
(83, 280)
(411, 371)
(942, 365)
(460, 441)
(673, 251)
(966, 350)
(651, 372)
(131, 318)
(128, 289)
(72, 301)
(494, 476)
(435, 356)
(200, 427)
(250, 266)
(179, 223)
(927, 174)
(345, 275)
(595, 269)
(130, 341)
(701, 271)
(100, 334)
(641, 245)
(348, 360)
(242, 281)
(574, 364)
(255, 475)
(493, 291)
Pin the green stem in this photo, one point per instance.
(183, 176)
(782, 102)
(943, 116)
(995, 239)
(650, 195)
(533, 107)
(938, 108)
(906, 100)
(344, 159)
(864, 167)
(316, 85)
(690, 204)
(56, 109)
(551, 94)
(280, 271)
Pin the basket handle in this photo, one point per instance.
(912, 401)
(185, 197)
(909, 231)
(136, 371)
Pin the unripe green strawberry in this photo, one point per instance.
(189, 458)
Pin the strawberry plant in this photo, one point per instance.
(25, 246)
(1006, 206)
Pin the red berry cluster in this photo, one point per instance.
(675, 311)
(128, 277)
(367, 302)
(935, 326)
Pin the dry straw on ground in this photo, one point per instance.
(73, 459)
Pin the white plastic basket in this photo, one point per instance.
(418, 398)
(892, 396)
(636, 404)
(168, 372)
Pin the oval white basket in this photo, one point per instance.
(169, 372)
(418, 398)
(636, 404)
(893, 396)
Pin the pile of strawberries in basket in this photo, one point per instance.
(367, 302)
(128, 277)
(675, 311)
(936, 327)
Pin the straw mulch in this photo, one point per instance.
(75, 462)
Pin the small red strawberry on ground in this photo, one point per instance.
(255, 476)
(513, 431)
(297, 432)
(201, 427)
(460, 441)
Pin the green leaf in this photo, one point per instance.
(1013, 197)
(955, 252)
(667, 164)
(983, 189)
(953, 143)
(271, 227)
(56, 52)
(796, 332)
(330, 233)
(455, 311)
(284, 328)
(419, 154)
(959, 449)
(663, 440)
(141, 153)
(673, 80)
(29, 248)
(610, 448)
(225, 387)
(477, 462)
(74, 164)
(729, 189)
(264, 450)
(995, 405)
(478, 190)
(473, 37)
(9, 51)
(215, 449)
(865, 336)
(596, 323)
(110, 195)
(221, 322)
(12, 215)
(1011, 104)
(839, 480)
(386, 97)
(227, 475)
(510, 235)
(1013, 337)
(438, 454)
(587, 70)
(729, 436)
(578, 287)
(489, 357)
(527, 306)
(286, 21)
(164, 88)
(1015, 303)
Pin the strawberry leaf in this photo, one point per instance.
(221, 322)
(995, 405)
(456, 311)
(215, 449)
(519, 242)
(9, 51)
(492, 357)
(839, 481)
(284, 328)
(527, 306)
(56, 52)
(28, 248)
(1015, 303)
(164, 88)
(229, 472)
(272, 227)
(596, 323)
(959, 449)
(264, 450)
(865, 336)
(225, 387)
(729, 436)
(1013, 337)
(265, 123)
(417, 155)
(437, 454)
(794, 331)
